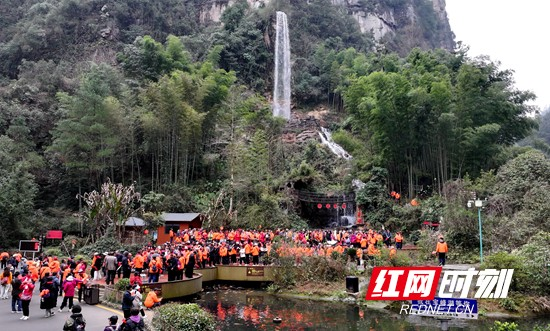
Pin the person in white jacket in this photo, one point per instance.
(138, 300)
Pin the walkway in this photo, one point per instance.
(96, 316)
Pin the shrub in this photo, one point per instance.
(53, 251)
(284, 275)
(321, 269)
(536, 257)
(72, 244)
(189, 317)
(508, 304)
(401, 259)
(503, 260)
(426, 243)
(122, 284)
(504, 326)
(352, 252)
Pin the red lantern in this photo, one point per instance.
(335, 206)
(327, 205)
(344, 206)
(146, 232)
(319, 206)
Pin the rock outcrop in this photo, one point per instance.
(400, 25)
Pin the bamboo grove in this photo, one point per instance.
(186, 116)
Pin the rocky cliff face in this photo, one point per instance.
(212, 10)
(398, 24)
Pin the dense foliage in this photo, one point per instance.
(143, 94)
(175, 316)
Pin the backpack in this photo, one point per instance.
(79, 325)
(131, 326)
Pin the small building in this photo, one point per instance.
(177, 221)
(133, 228)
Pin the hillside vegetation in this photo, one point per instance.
(140, 92)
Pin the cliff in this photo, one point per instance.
(399, 25)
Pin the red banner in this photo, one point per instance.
(54, 234)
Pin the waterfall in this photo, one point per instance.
(326, 138)
(281, 88)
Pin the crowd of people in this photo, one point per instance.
(54, 278)
(186, 250)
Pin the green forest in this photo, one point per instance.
(141, 102)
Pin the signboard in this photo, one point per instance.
(54, 234)
(146, 288)
(29, 246)
(255, 271)
(445, 307)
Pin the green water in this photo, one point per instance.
(255, 310)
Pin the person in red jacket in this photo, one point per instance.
(136, 279)
(27, 287)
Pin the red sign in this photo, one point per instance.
(327, 205)
(319, 206)
(344, 206)
(54, 234)
(403, 283)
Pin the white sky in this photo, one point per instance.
(516, 33)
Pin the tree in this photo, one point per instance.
(373, 198)
(147, 59)
(110, 207)
(436, 116)
(88, 139)
(17, 193)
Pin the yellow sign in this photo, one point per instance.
(255, 271)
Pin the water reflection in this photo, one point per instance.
(255, 310)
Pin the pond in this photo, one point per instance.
(244, 310)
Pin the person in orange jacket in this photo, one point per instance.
(82, 281)
(55, 266)
(155, 268)
(399, 240)
(441, 249)
(152, 299)
(5, 283)
(45, 269)
(4, 256)
(372, 252)
(255, 254)
(224, 254)
(138, 262)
